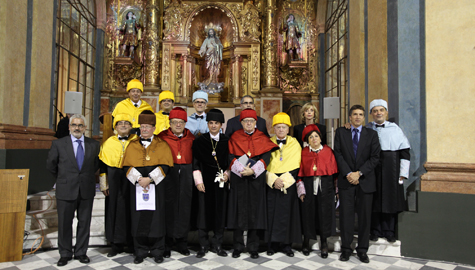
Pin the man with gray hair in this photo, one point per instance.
(73, 160)
(393, 168)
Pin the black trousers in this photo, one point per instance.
(383, 224)
(354, 200)
(66, 210)
(143, 245)
(215, 241)
(252, 240)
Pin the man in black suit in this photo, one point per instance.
(73, 160)
(357, 154)
(233, 124)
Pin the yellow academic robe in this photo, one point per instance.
(163, 122)
(126, 106)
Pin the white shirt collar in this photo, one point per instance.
(216, 138)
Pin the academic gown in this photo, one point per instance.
(247, 208)
(127, 106)
(283, 215)
(117, 220)
(389, 195)
(212, 203)
(179, 184)
(318, 210)
(147, 223)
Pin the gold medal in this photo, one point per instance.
(213, 153)
(178, 156)
(314, 167)
(147, 157)
(249, 153)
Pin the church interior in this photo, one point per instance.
(416, 54)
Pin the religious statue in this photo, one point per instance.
(129, 29)
(212, 50)
(291, 38)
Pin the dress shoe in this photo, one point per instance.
(158, 259)
(254, 254)
(112, 253)
(63, 261)
(324, 248)
(138, 260)
(373, 237)
(167, 253)
(289, 253)
(391, 239)
(270, 252)
(82, 258)
(363, 257)
(345, 256)
(201, 253)
(221, 252)
(184, 252)
(236, 253)
(306, 247)
(306, 251)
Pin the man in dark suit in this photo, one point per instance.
(233, 124)
(357, 154)
(73, 160)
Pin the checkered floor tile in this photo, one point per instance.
(99, 260)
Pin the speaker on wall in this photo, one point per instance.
(73, 102)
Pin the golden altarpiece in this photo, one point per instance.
(256, 60)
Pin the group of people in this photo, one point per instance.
(167, 173)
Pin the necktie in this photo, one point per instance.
(146, 140)
(199, 117)
(355, 140)
(79, 154)
(124, 138)
(281, 141)
(381, 126)
(136, 105)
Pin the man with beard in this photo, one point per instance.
(115, 186)
(73, 160)
(210, 159)
(179, 182)
(146, 162)
(249, 154)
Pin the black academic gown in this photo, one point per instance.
(283, 214)
(247, 209)
(146, 223)
(117, 216)
(318, 211)
(212, 203)
(389, 195)
(179, 186)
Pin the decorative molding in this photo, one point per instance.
(21, 137)
(449, 178)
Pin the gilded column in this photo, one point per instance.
(236, 78)
(270, 48)
(151, 45)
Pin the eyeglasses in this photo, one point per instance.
(177, 122)
(248, 103)
(249, 121)
(200, 102)
(123, 123)
(77, 126)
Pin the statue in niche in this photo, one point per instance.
(291, 38)
(130, 32)
(212, 50)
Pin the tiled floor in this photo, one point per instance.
(99, 260)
